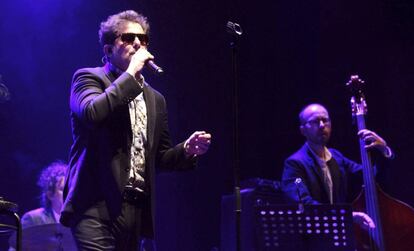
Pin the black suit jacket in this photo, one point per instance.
(304, 165)
(102, 137)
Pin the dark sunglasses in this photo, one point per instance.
(130, 38)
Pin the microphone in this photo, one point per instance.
(234, 28)
(153, 66)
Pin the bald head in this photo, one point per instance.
(308, 110)
(315, 124)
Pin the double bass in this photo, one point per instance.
(394, 220)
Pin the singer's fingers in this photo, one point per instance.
(204, 137)
(143, 54)
(201, 139)
(197, 133)
(138, 60)
(150, 56)
(198, 143)
(146, 54)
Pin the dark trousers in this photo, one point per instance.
(123, 234)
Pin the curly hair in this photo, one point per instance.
(49, 178)
(109, 28)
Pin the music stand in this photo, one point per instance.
(314, 228)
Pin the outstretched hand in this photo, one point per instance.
(197, 144)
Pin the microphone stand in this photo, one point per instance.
(298, 182)
(235, 31)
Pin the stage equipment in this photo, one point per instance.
(8, 208)
(255, 192)
(51, 237)
(235, 32)
(271, 223)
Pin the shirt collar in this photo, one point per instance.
(328, 155)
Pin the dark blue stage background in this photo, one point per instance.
(291, 53)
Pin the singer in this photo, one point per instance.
(120, 133)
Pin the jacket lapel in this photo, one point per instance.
(336, 176)
(310, 158)
(107, 76)
(312, 161)
(151, 113)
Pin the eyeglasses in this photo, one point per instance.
(317, 121)
(129, 38)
